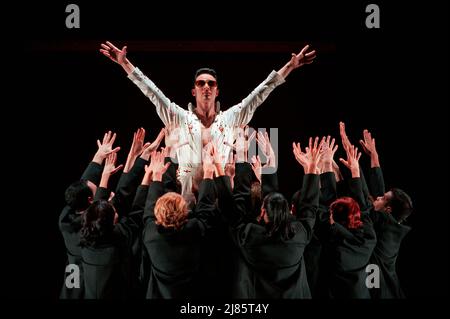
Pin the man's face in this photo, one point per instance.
(381, 204)
(205, 88)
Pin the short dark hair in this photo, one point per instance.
(278, 213)
(203, 71)
(77, 195)
(98, 223)
(401, 205)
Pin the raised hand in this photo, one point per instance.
(297, 60)
(309, 159)
(352, 162)
(116, 55)
(300, 156)
(208, 161)
(328, 151)
(230, 168)
(369, 147)
(345, 141)
(148, 148)
(157, 166)
(172, 139)
(242, 143)
(105, 147)
(267, 149)
(110, 165)
(109, 169)
(257, 167)
(303, 57)
(337, 172)
(137, 147)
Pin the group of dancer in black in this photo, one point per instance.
(241, 238)
(191, 221)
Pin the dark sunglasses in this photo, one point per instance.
(202, 83)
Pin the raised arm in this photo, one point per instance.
(269, 177)
(355, 184)
(118, 56)
(137, 146)
(308, 202)
(168, 111)
(376, 178)
(128, 182)
(206, 208)
(328, 191)
(105, 147)
(108, 170)
(242, 113)
(242, 182)
(154, 172)
(297, 60)
(347, 144)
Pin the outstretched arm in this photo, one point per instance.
(153, 176)
(297, 60)
(168, 111)
(376, 178)
(355, 184)
(116, 55)
(136, 149)
(242, 113)
(368, 145)
(94, 169)
(308, 203)
(108, 170)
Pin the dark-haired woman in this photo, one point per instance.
(271, 263)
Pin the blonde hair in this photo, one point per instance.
(171, 210)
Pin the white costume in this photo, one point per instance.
(222, 129)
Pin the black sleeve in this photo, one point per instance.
(356, 192)
(341, 188)
(131, 225)
(102, 193)
(169, 178)
(139, 198)
(64, 220)
(93, 172)
(336, 230)
(269, 184)
(376, 182)
(224, 193)
(328, 188)
(365, 189)
(126, 187)
(328, 194)
(155, 191)
(368, 225)
(241, 193)
(206, 205)
(308, 203)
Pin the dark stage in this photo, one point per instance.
(392, 81)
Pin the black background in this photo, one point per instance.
(392, 81)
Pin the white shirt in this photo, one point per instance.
(222, 129)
